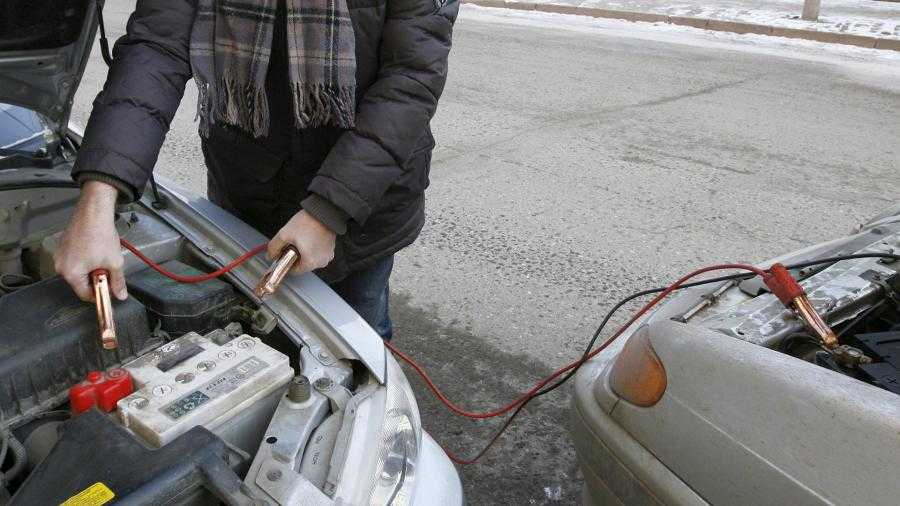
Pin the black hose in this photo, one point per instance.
(9, 283)
(3, 450)
(20, 457)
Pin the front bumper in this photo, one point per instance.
(616, 468)
(437, 481)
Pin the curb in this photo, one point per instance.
(703, 23)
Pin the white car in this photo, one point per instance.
(212, 396)
(722, 396)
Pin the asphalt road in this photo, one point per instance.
(580, 161)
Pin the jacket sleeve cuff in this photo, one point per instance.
(126, 195)
(329, 214)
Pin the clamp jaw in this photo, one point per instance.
(792, 295)
(100, 282)
(277, 271)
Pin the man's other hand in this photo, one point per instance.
(91, 242)
(313, 240)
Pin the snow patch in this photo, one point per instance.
(858, 17)
(873, 67)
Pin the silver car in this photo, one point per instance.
(721, 396)
(212, 395)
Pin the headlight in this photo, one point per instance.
(384, 443)
(398, 442)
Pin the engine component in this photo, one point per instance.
(11, 260)
(41, 441)
(50, 343)
(96, 456)
(885, 347)
(102, 390)
(850, 357)
(11, 282)
(294, 436)
(229, 386)
(872, 356)
(19, 457)
(316, 460)
(180, 307)
(12, 230)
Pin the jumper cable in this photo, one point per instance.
(777, 279)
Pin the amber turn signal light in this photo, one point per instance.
(638, 375)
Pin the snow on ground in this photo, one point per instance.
(873, 67)
(859, 17)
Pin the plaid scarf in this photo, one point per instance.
(231, 42)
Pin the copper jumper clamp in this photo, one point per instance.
(277, 271)
(100, 282)
(792, 295)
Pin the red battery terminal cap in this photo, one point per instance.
(102, 390)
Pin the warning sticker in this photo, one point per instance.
(95, 495)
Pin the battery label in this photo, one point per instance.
(222, 384)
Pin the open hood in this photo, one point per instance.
(44, 46)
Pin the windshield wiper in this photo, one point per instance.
(12, 158)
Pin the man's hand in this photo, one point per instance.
(313, 240)
(91, 242)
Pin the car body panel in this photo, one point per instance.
(616, 468)
(44, 80)
(23, 129)
(757, 426)
(741, 423)
(437, 481)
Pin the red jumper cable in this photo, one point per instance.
(777, 278)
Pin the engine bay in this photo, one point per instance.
(207, 371)
(870, 343)
(859, 299)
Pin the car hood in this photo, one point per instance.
(44, 47)
(841, 291)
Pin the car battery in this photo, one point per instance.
(229, 385)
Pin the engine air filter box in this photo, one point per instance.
(183, 307)
(49, 340)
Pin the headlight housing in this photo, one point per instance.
(384, 443)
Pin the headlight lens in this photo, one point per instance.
(385, 434)
(398, 442)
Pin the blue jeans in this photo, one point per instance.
(367, 292)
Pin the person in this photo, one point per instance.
(314, 125)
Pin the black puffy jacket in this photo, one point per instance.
(375, 174)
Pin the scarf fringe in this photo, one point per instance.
(246, 106)
(243, 105)
(317, 105)
(202, 108)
